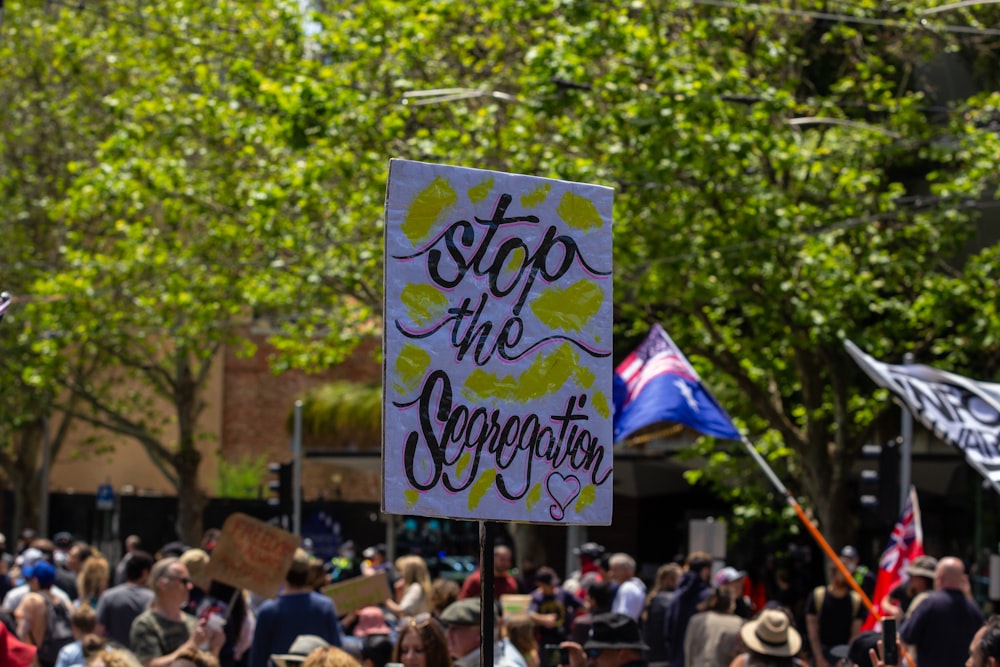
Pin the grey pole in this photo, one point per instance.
(43, 486)
(905, 448)
(297, 471)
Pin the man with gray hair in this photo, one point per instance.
(630, 599)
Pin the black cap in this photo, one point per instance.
(857, 651)
(592, 549)
(615, 631)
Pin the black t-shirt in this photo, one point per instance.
(836, 617)
(942, 627)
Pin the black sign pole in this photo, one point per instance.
(487, 535)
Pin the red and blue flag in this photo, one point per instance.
(656, 384)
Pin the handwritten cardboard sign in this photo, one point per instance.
(497, 371)
(358, 592)
(252, 554)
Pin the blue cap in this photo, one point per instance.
(43, 570)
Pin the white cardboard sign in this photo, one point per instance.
(497, 366)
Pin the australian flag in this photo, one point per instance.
(656, 384)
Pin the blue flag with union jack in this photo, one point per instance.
(656, 383)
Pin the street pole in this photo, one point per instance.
(905, 447)
(297, 471)
(43, 484)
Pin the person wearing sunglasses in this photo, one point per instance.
(163, 632)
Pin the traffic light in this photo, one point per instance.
(281, 486)
(880, 484)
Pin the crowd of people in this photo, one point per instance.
(64, 605)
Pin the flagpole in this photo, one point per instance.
(814, 531)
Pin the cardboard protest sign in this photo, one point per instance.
(252, 554)
(358, 592)
(497, 365)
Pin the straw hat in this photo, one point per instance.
(771, 634)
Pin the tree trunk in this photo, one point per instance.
(191, 500)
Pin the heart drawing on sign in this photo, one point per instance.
(563, 489)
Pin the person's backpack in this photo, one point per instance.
(58, 631)
(819, 594)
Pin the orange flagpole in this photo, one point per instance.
(816, 535)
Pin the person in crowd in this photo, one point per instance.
(589, 554)
(463, 619)
(375, 560)
(857, 653)
(77, 555)
(503, 582)
(615, 641)
(300, 649)
(733, 581)
(195, 658)
(371, 621)
(862, 574)
(376, 650)
(196, 561)
(132, 543)
(834, 615)
(692, 590)
(412, 588)
(14, 652)
(114, 658)
(600, 595)
(329, 656)
(344, 565)
(941, 628)
(83, 621)
(298, 610)
(630, 598)
(162, 632)
(421, 643)
(443, 593)
(526, 576)
(121, 604)
(92, 580)
(770, 640)
(521, 633)
(905, 597)
(552, 609)
(29, 558)
(231, 604)
(657, 601)
(711, 636)
(984, 650)
(32, 613)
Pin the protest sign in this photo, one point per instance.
(252, 554)
(358, 592)
(497, 358)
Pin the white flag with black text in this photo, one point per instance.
(963, 412)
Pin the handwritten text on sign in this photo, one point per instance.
(497, 346)
(252, 554)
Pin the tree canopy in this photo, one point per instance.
(784, 179)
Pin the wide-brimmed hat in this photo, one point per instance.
(615, 631)
(922, 566)
(371, 621)
(299, 650)
(771, 634)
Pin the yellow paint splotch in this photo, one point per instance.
(411, 365)
(424, 304)
(601, 404)
(546, 375)
(515, 260)
(480, 487)
(579, 212)
(411, 497)
(463, 463)
(586, 498)
(426, 208)
(477, 193)
(534, 495)
(568, 309)
(536, 196)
